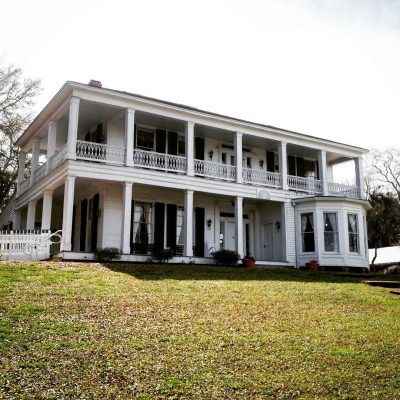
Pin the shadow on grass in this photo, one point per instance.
(214, 273)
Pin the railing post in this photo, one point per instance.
(283, 164)
(189, 145)
(73, 127)
(239, 156)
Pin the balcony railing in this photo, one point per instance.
(300, 184)
(339, 189)
(272, 179)
(100, 152)
(160, 161)
(111, 154)
(214, 170)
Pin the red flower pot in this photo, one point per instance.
(250, 264)
(312, 265)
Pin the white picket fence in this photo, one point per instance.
(27, 245)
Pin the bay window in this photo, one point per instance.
(307, 232)
(352, 225)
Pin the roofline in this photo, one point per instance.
(188, 108)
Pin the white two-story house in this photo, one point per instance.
(116, 169)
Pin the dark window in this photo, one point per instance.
(145, 139)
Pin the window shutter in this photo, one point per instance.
(199, 232)
(161, 141)
(199, 148)
(159, 214)
(270, 161)
(172, 143)
(171, 225)
(82, 240)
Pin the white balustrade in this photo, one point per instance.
(100, 152)
(309, 185)
(214, 170)
(160, 161)
(341, 190)
(259, 176)
(58, 158)
(40, 172)
(24, 186)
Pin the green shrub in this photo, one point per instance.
(227, 257)
(107, 254)
(162, 255)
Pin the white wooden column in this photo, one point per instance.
(129, 135)
(188, 224)
(51, 143)
(283, 164)
(189, 146)
(359, 176)
(126, 218)
(239, 225)
(68, 208)
(35, 159)
(257, 233)
(239, 156)
(322, 172)
(17, 220)
(30, 218)
(46, 211)
(73, 127)
(217, 226)
(21, 169)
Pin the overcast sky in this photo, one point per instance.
(325, 68)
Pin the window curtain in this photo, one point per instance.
(352, 218)
(179, 226)
(307, 223)
(330, 223)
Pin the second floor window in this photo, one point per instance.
(330, 232)
(145, 139)
(352, 225)
(307, 232)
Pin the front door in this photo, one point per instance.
(266, 242)
(229, 235)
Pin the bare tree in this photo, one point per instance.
(16, 102)
(383, 171)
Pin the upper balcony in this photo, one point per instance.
(104, 134)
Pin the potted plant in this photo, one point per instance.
(249, 262)
(312, 265)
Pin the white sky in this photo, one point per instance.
(328, 68)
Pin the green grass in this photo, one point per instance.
(117, 331)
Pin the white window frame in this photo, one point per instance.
(334, 232)
(356, 234)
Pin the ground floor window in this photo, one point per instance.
(330, 232)
(307, 232)
(352, 224)
(142, 223)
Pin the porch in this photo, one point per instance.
(138, 139)
(139, 218)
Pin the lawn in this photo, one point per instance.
(91, 331)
